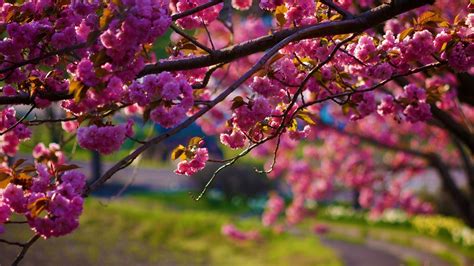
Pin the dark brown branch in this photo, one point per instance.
(18, 122)
(37, 122)
(191, 39)
(207, 77)
(464, 205)
(129, 159)
(27, 99)
(376, 86)
(454, 127)
(468, 166)
(25, 248)
(16, 222)
(38, 59)
(195, 10)
(365, 21)
(344, 13)
(11, 243)
(357, 24)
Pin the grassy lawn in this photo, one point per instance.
(147, 231)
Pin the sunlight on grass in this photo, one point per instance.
(155, 230)
(193, 236)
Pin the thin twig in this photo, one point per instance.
(208, 35)
(18, 122)
(191, 39)
(344, 13)
(195, 10)
(11, 243)
(25, 248)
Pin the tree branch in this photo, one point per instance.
(454, 127)
(360, 23)
(25, 248)
(356, 24)
(191, 39)
(338, 9)
(195, 10)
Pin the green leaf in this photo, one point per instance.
(194, 142)
(429, 16)
(405, 33)
(18, 163)
(280, 12)
(457, 19)
(38, 206)
(293, 126)
(178, 152)
(27, 169)
(66, 167)
(106, 17)
(5, 177)
(335, 17)
(237, 102)
(77, 89)
(307, 117)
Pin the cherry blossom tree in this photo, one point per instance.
(326, 77)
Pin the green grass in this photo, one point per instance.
(148, 230)
(411, 262)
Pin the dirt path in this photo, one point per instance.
(376, 253)
(407, 252)
(361, 255)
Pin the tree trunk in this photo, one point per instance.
(464, 205)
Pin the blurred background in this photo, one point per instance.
(147, 215)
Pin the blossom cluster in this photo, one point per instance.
(275, 205)
(49, 198)
(170, 97)
(200, 18)
(104, 139)
(297, 12)
(234, 233)
(194, 164)
(51, 155)
(17, 132)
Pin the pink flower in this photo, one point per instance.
(365, 48)
(197, 163)
(366, 197)
(235, 140)
(70, 126)
(418, 47)
(275, 206)
(461, 57)
(417, 112)
(232, 232)
(196, 20)
(365, 104)
(387, 105)
(382, 71)
(264, 86)
(270, 4)
(105, 140)
(241, 4)
(320, 229)
(14, 197)
(5, 212)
